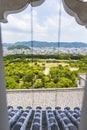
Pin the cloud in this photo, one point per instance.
(18, 27)
(45, 25)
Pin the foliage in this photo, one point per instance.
(11, 83)
(65, 83)
(48, 56)
(18, 47)
(21, 73)
(39, 84)
(63, 77)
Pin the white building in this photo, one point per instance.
(81, 82)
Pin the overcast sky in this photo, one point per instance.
(45, 25)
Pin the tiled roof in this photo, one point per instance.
(48, 119)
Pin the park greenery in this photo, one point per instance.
(18, 47)
(43, 71)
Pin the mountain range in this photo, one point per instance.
(48, 44)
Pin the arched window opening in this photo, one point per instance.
(46, 65)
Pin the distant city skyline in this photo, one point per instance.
(45, 25)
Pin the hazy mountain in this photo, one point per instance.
(47, 44)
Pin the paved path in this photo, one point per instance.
(46, 71)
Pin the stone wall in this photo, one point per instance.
(46, 97)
